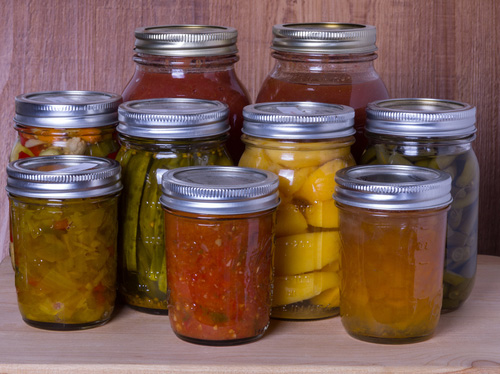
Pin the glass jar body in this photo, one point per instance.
(392, 267)
(37, 141)
(65, 260)
(142, 264)
(219, 275)
(457, 158)
(307, 240)
(336, 79)
(211, 78)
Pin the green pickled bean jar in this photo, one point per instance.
(437, 134)
(157, 135)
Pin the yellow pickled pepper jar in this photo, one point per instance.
(304, 143)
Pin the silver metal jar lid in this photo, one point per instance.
(67, 109)
(173, 118)
(392, 187)
(324, 38)
(63, 177)
(186, 40)
(219, 190)
(298, 120)
(420, 117)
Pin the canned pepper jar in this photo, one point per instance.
(219, 237)
(64, 216)
(195, 61)
(66, 122)
(158, 135)
(304, 143)
(437, 134)
(393, 230)
(326, 62)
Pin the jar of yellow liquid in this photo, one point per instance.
(304, 143)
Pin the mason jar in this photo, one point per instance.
(194, 61)
(66, 123)
(437, 134)
(304, 143)
(393, 231)
(219, 237)
(64, 218)
(326, 62)
(157, 135)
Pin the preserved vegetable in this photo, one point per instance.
(203, 67)
(307, 240)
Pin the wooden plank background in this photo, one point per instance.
(446, 49)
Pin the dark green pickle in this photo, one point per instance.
(448, 149)
(149, 147)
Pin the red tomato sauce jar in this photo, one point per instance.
(219, 237)
(190, 61)
(392, 221)
(326, 62)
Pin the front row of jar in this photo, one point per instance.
(366, 240)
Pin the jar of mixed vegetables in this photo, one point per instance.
(393, 229)
(66, 123)
(304, 143)
(157, 135)
(64, 218)
(437, 134)
(219, 237)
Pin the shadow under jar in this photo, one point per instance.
(393, 230)
(437, 134)
(159, 135)
(190, 61)
(326, 62)
(219, 237)
(64, 216)
(305, 144)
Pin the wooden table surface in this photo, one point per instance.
(466, 341)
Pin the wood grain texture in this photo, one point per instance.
(466, 341)
(444, 49)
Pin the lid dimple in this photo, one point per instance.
(324, 38)
(173, 118)
(219, 190)
(298, 120)
(420, 117)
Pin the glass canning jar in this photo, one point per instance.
(220, 241)
(393, 229)
(304, 143)
(191, 61)
(64, 222)
(436, 134)
(326, 62)
(157, 135)
(66, 122)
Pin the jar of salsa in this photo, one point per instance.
(326, 62)
(219, 237)
(437, 134)
(393, 231)
(64, 216)
(192, 61)
(304, 143)
(157, 135)
(66, 123)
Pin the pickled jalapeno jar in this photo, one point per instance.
(158, 135)
(195, 61)
(326, 62)
(66, 123)
(393, 230)
(64, 220)
(304, 143)
(437, 134)
(219, 235)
